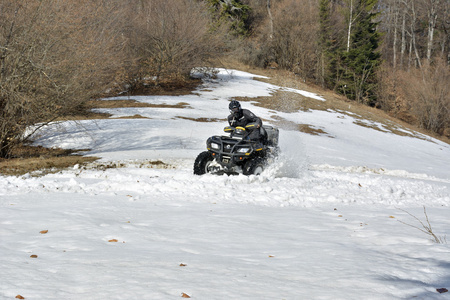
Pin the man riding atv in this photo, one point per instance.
(245, 118)
(248, 148)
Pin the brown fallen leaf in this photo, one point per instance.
(43, 231)
(392, 217)
(183, 295)
(113, 241)
(19, 297)
(443, 290)
(183, 265)
(33, 256)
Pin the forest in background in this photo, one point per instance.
(57, 55)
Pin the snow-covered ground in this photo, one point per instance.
(326, 221)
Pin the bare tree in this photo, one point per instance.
(54, 55)
(168, 38)
(294, 40)
(421, 26)
(428, 92)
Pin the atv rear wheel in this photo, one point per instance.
(202, 162)
(254, 166)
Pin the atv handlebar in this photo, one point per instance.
(238, 131)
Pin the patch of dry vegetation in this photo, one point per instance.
(202, 120)
(180, 87)
(39, 161)
(132, 103)
(28, 159)
(152, 164)
(87, 113)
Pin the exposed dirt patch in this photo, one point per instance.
(281, 101)
(88, 114)
(170, 88)
(131, 103)
(202, 119)
(306, 128)
(157, 164)
(28, 159)
(137, 116)
(39, 161)
(24, 151)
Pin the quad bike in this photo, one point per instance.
(236, 154)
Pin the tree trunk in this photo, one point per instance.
(403, 46)
(349, 25)
(270, 20)
(413, 34)
(394, 45)
(432, 18)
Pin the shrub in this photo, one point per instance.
(428, 94)
(167, 39)
(54, 56)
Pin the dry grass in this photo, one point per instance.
(36, 158)
(169, 88)
(203, 120)
(157, 164)
(130, 103)
(88, 114)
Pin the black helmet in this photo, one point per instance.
(234, 106)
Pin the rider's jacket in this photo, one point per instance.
(245, 117)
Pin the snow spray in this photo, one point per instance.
(292, 161)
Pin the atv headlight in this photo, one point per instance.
(215, 146)
(243, 150)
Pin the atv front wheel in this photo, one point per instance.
(202, 162)
(254, 166)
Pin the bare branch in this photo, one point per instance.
(427, 229)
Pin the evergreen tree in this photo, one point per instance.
(231, 12)
(328, 44)
(361, 59)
